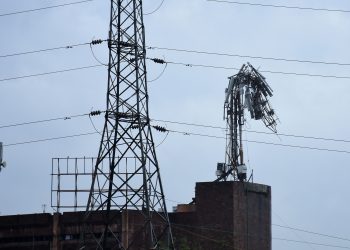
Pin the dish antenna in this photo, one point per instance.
(247, 90)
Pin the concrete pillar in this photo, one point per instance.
(56, 232)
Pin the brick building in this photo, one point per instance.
(223, 215)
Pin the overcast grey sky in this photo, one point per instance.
(310, 189)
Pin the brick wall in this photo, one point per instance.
(225, 215)
(234, 215)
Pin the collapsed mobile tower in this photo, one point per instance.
(247, 90)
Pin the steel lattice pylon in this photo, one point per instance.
(131, 182)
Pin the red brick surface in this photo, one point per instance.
(225, 215)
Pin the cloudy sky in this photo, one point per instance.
(310, 188)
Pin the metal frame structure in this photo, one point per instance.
(127, 133)
(71, 181)
(247, 90)
(65, 178)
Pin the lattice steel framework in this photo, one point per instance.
(247, 90)
(127, 134)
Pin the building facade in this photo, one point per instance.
(222, 215)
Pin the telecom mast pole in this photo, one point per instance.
(133, 185)
(247, 90)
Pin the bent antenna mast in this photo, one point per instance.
(247, 90)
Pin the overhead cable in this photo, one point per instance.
(43, 8)
(70, 46)
(156, 9)
(311, 232)
(280, 6)
(266, 143)
(49, 139)
(274, 238)
(92, 113)
(40, 121)
(254, 131)
(220, 242)
(183, 50)
(310, 243)
(98, 112)
(277, 225)
(67, 117)
(49, 73)
(248, 56)
(189, 133)
(175, 63)
(233, 68)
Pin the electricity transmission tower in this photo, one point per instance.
(126, 184)
(247, 90)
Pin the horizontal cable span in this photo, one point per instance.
(49, 73)
(69, 46)
(43, 8)
(156, 60)
(254, 131)
(311, 232)
(290, 228)
(179, 226)
(263, 142)
(49, 139)
(248, 56)
(280, 6)
(98, 112)
(188, 133)
(92, 113)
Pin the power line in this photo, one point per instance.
(168, 62)
(190, 133)
(295, 233)
(40, 121)
(290, 228)
(92, 113)
(280, 6)
(305, 74)
(311, 232)
(49, 73)
(249, 56)
(274, 238)
(43, 8)
(49, 139)
(311, 243)
(44, 50)
(233, 68)
(266, 143)
(182, 227)
(70, 46)
(200, 236)
(175, 63)
(254, 131)
(160, 75)
(156, 9)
